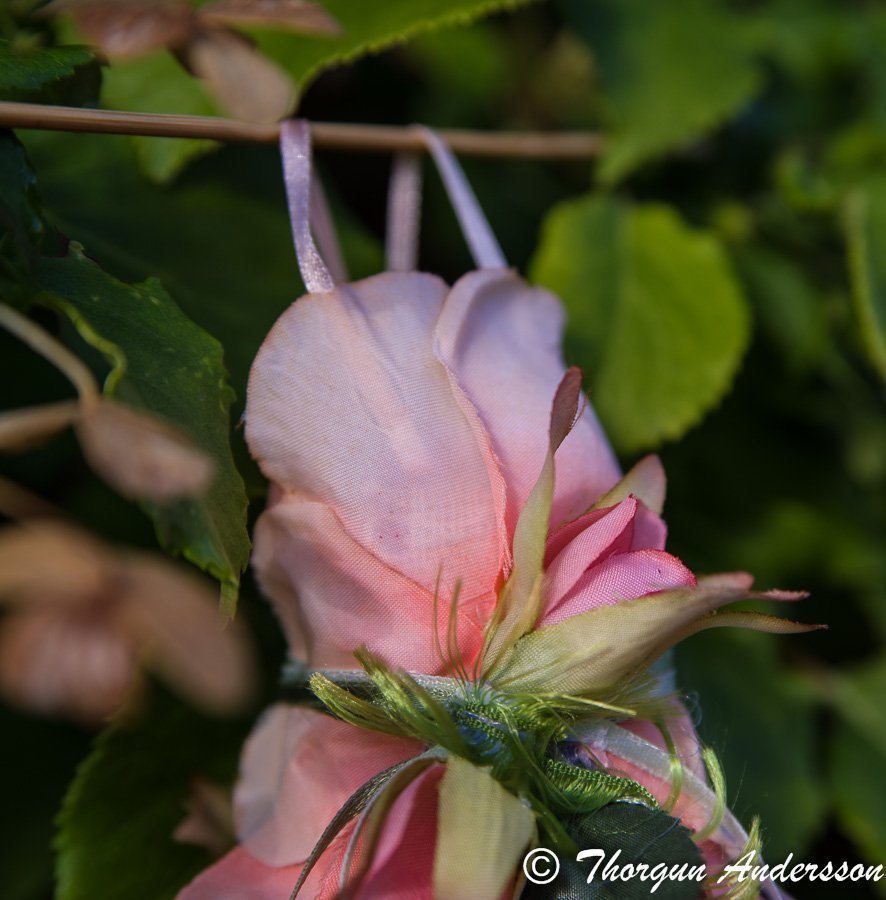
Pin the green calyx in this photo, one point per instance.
(517, 739)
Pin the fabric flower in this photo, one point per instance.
(409, 431)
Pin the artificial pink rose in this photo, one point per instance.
(404, 427)
(403, 424)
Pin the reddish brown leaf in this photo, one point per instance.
(293, 15)
(249, 86)
(123, 29)
(174, 618)
(68, 662)
(21, 429)
(140, 455)
(47, 562)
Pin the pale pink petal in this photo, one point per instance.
(298, 768)
(403, 863)
(624, 576)
(650, 531)
(240, 876)
(75, 663)
(333, 595)
(348, 405)
(501, 340)
(609, 533)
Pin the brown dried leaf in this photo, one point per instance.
(210, 819)
(47, 562)
(293, 15)
(21, 429)
(72, 663)
(123, 29)
(142, 456)
(246, 84)
(173, 616)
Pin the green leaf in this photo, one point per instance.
(370, 28)
(790, 310)
(656, 317)
(762, 724)
(671, 73)
(158, 84)
(163, 362)
(858, 759)
(219, 238)
(51, 74)
(114, 837)
(865, 229)
(643, 835)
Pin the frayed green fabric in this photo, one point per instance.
(517, 738)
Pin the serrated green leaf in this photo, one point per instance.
(235, 277)
(671, 72)
(642, 835)
(114, 837)
(864, 223)
(371, 28)
(655, 315)
(762, 723)
(161, 361)
(52, 74)
(158, 84)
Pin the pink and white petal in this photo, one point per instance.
(624, 576)
(348, 405)
(501, 340)
(75, 663)
(298, 769)
(333, 595)
(239, 875)
(403, 863)
(611, 532)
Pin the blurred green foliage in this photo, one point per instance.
(724, 267)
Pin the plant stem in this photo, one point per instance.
(326, 135)
(50, 349)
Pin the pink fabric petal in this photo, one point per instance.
(238, 876)
(624, 576)
(650, 531)
(402, 867)
(609, 533)
(501, 340)
(333, 595)
(348, 405)
(298, 768)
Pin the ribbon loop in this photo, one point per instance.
(481, 241)
(295, 148)
(404, 213)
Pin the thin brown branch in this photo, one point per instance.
(327, 135)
